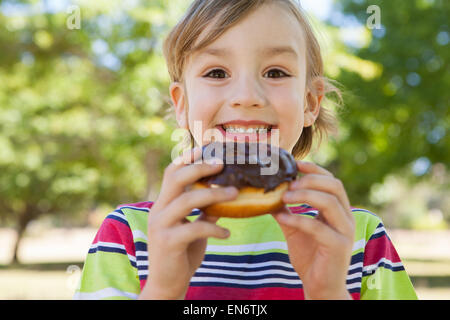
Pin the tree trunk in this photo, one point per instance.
(153, 175)
(27, 215)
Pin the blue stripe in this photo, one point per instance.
(354, 280)
(359, 257)
(122, 220)
(133, 208)
(311, 214)
(355, 290)
(245, 269)
(356, 210)
(195, 212)
(140, 246)
(273, 256)
(114, 250)
(245, 286)
(246, 277)
(379, 234)
(384, 265)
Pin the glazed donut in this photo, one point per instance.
(260, 172)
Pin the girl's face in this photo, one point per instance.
(249, 81)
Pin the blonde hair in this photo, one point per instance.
(179, 45)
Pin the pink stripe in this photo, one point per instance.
(145, 204)
(356, 296)
(380, 248)
(116, 232)
(226, 293)
(300, 209)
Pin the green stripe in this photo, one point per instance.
(366, 224)
(386, 284)
(109, 269)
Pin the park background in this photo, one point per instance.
(85, 125)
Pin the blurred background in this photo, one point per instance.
(85, 126)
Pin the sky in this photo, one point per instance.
(320, 8)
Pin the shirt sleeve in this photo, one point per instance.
(109, 270)
(384, 276)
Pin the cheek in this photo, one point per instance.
(288, 105)
(201, 111)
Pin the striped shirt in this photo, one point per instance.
(246, 266)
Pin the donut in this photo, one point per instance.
(261, 173)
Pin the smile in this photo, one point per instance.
(242, 130)
(259, 129)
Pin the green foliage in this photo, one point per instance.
(398, 118)
(83, 111)
(80, 109)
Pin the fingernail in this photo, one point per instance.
(294, 184)
(215, 162)
(231, 190)
(283, 217)
(288, 194)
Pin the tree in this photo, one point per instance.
(395, 118)
(82, 111)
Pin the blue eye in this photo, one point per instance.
(216, 74)
(276, 73)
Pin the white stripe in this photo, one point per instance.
(265, 246)
(248, 282)
(113, 245)
(359, 244)
(263, 272)
(104, 293)
(132, 207)
(248, 273)
(379, 230)
(355, 266)
(247, 265)
(117, 214)
(141, 253)
(386, 261)
(252, 247)
(354, 275)
(260, 282)
(143, 272)
(139, 234)
(108, 244)
(353, 285)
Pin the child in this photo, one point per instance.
(241, 64)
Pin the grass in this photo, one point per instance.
(57, 281)
(427, 263)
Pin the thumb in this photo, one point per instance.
(278, 216)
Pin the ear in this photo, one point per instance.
(313, 98)
(178, 96)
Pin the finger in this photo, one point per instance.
(200, 198)
(205, 217)
(176, 180)
(323, 183)
(309, 167)
(327, 204)
(188, 157)
(199, 229)
(322, 233)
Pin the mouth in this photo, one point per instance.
(246, 130)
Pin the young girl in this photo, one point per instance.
(245, 65)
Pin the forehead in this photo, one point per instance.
(270, 30)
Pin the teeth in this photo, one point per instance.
(249, 130)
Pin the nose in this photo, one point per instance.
(247, 92)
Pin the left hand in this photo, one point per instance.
(319, 248)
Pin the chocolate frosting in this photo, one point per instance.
(250, 164)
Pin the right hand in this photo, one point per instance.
(176, 246)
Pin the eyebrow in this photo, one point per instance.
(266, 52)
